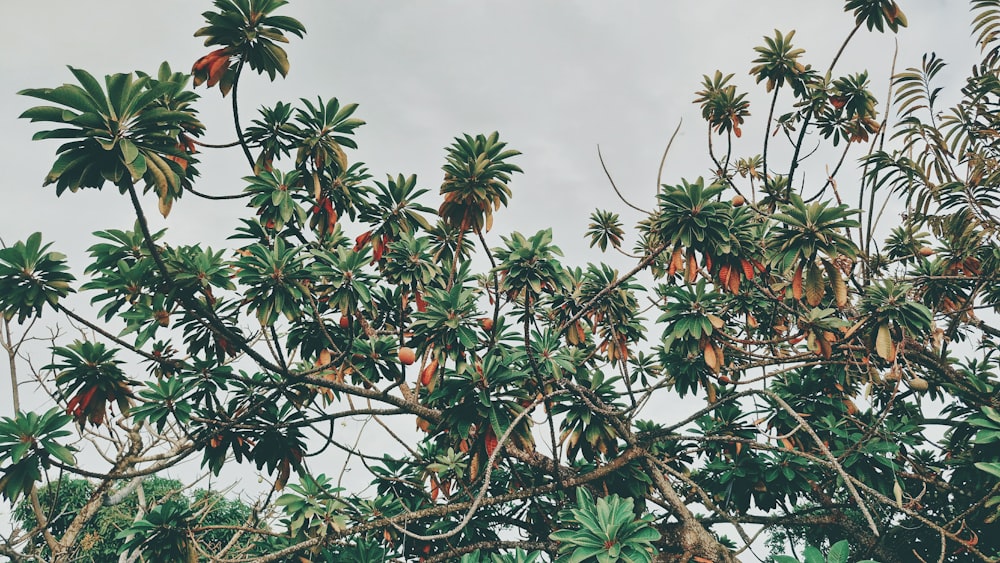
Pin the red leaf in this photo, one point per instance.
(491, 441)
(362, 240)
(797, 283)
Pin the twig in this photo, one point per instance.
(617, 191)
(482, 489)
(663, 160)
(826, 452)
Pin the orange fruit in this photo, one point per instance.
(407, 355)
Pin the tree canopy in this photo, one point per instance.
(841, 364)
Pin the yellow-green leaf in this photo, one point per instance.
(884, 346)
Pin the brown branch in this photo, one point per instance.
(481, 495)
(612, 286)
(443, 510)
(491, 547)
(663, 160)
(826, 452)
(600, 157)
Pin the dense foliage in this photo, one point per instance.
(844, 374)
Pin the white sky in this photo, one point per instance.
(555, 78)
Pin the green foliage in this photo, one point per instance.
(163, 533)
(528, 266)
(313, 506)
(129, 130)
(28, 444)
(723, 108)
(988, 423)
(877, 14)
(838, 553)
(89, 377)
(30, 277)
(518, 556)
(804, 343)
(476, 175)
(807, 232)
(608, 532)
(778, 61)
(691, 215)
(275, 279)
(248, 32)
(605, 228)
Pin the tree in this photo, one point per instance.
(98, 541)
(845, 379)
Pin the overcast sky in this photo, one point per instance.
(557, 79)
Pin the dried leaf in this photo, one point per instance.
(423, 424)
(165, 204)
(883, 343)
(812, 342)
(837, 284)
(734, 282)
(710, 358)
(676, 261)
(724, 273)
(815, 288)
(717, 322)
(825, 348)
(474, 467)
(427, 374)
(435, 489)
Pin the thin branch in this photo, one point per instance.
(612, 286)
(236, 111)
(217, 197)
(826, 452)
(482, 489)
(490, 547)
(663, 160)
(443, 510)
(809, 112)
(617, 191)
(214, 146)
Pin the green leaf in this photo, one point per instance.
(993, 468)
(62, 453)
(813, 555)
(838, 552)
